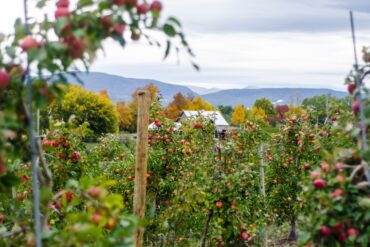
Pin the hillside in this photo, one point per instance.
(120, 88)
(284, 95)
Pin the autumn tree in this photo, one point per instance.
(281, 111)
(256, 114)
(125, 115)
(197, 104)
(104, 93)
(86, 106)
(179, 104)
(238, 116)
(266, 106)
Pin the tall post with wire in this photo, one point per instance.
(32, 138)
(358, 82)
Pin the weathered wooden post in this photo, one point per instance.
(263, 190)
(141, 161)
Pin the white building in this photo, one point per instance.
(216, 116)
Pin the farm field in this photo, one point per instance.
(80, 169)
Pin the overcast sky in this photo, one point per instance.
(240, 43)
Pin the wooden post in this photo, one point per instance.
(141, 161)
(263, 190)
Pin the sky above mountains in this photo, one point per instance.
(241, 43)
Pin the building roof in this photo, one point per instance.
(215, 115)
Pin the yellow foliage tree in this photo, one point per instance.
(86, 106)
(197, 103)
(125, 115)
(295, 111)
(238, 116)
(256, 113)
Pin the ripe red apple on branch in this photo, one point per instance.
(4, 79)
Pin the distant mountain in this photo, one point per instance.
(203, 90)
(120, 88)
(281, 95)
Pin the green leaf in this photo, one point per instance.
(10, 50)
(19, 28)
(169, 30)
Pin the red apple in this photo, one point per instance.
(245, 235)
(76, 155)
(353, 232)
(338, 227)
(336, 193)
(122, 155)
(218, 204)
(356, 106)
(342, 237)
(47, 143)
(197, 125)
(142, 9)
(319, 183)
(156, 6)
(351, 87)
(334, 118)
(2, 218)
(77, 47)
(306, 166)
(29, 43)
(25, 178)
(325, 167)
(61, 12)
(69, 196)
(106, 21)
(94, 192)
(4, 79)
(119, 28)
(62, 4)
(96, 218)
(325, 231)
(55, 144)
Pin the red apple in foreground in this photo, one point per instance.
(62, 4)
(106, 21)
(351, 88)
(2, 218)
(356, 106)
(29, 43)
(4, 79)
(61, 12)
(156, 6)
(142, 9)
